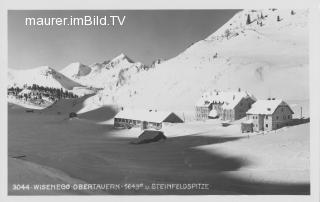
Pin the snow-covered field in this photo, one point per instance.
(92, 151)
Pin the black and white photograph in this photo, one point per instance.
(163, 102)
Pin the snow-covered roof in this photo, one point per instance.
(233, 98)
(203, 102)
(213, 113)
(144, 115)
(229, 98)
(266, 106)
(232, 103)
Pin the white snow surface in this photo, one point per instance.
(266, 106)
(79, 141)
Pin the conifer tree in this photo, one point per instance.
(248, 20)
(278, 18)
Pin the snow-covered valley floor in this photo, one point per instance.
(60, 150)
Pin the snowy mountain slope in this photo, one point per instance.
(266, 55)
(42, 76)
(75, 70)
(111, 73)
(267, 60)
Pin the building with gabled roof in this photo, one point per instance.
(228, 105)
(145, 118)
(270, 114)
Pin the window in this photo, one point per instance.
(277, 117)
(266, 116)
(289, 117)
(266, 125)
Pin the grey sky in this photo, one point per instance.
(145, 36)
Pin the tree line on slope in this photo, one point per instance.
(40, 94)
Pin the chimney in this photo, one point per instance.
(234, 97)
(239, 89)
(269, 98)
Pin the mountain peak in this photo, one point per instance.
(45, 70)
(75, 69)
(122, 56)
